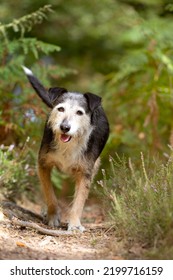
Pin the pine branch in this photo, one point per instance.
(36, 46)
(26, 23)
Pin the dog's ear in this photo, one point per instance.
(55, 93)
(93, 100)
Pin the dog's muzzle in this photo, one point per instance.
(65, 128)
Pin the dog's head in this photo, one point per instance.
(72, 113)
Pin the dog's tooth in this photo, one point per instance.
(27, 71)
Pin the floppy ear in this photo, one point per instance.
(56, 92)
(93, 100)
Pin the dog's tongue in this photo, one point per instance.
(65, 138)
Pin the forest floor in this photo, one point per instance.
(97, 242)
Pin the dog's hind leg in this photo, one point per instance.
(81, 193)
(53, 214)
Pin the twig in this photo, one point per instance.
(13, 206)
(30, 224)
(40, 229)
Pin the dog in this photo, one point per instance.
(75, 134)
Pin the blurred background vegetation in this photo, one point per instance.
(121, 50)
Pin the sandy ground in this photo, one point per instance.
(97, 242)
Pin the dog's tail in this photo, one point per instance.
(38, 87)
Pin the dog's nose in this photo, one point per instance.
(65, 127)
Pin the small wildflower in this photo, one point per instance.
(27, 139)
(11, 147)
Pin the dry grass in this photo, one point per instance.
(140, 202)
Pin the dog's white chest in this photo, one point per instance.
(67, 157)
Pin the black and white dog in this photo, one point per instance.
(75, 134)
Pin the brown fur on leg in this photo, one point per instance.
(82, 188)
(81, 193)
(50, 197)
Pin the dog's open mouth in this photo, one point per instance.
(65, 138)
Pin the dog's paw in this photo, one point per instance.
(54, 220)
(76, 227)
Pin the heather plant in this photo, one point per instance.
(140, 198)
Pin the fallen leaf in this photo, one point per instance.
(20, 244)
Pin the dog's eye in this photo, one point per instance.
(79, 113)
(60, 109)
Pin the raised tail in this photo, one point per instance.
(38, 87)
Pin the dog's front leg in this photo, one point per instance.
(53, 215)
(81, 193)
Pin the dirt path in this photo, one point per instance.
(97, 242)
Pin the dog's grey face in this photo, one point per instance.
(70, 117)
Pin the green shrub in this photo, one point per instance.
(18, 172)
